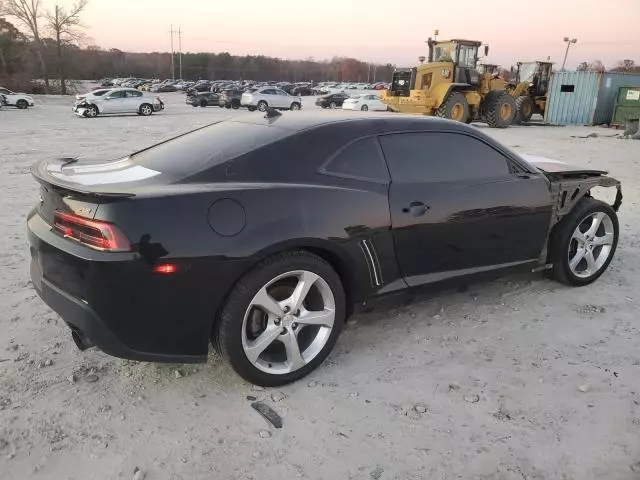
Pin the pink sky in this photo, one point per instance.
(372, 30)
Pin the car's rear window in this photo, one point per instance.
(206, 147)
(99, 93)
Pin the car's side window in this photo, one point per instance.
(134, 93)
(361, 159)
(118, 94)
(441, 157)
(269, 92)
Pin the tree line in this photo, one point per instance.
(45, 44)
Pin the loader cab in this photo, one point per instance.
(462, 53)
(538, 74)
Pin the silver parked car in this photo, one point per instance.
(116, 100)
(265, 97)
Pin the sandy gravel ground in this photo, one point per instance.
(521, 378)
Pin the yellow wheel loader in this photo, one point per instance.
(449, 85)
(531, 88)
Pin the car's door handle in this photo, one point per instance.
(416, 209)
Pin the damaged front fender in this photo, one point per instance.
(566, 193)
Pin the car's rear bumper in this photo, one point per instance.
(115, 302)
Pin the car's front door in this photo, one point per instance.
(113, 102)
(460, 206)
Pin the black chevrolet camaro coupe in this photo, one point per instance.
(261, 234)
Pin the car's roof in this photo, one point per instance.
(301, 120)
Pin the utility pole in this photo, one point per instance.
(173, 68)
(375, 67)
(569, 42)
(180, 50)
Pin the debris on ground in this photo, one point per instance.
(584, 388)
(377, 472)
(92, 378)
(137, 474)
(278, 396)
(264, 434)
(312, 384)
(420, 408)
(267, 412)
(472, 398)
(71, 378)
(178, 373)
(502, 415)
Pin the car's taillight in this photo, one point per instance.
(94, 234)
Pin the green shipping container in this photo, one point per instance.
(627, 105)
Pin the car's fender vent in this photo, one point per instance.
(371, 257)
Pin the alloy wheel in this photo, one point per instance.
(591, 244)
(288, 322)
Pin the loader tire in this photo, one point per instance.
(455, 107)
(500, 109)
(525, 107)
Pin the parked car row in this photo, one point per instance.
(228, 98)
(364, 102)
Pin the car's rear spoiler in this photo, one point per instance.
(42, 174)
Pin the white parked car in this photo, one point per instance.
(18, 100)
(262, 98)
(365, 102)
(116, 100)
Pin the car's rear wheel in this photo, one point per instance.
(235, 104)
(282, 319)
(364, 108)
(22, 104)
(333, 105)
(262, 106)
(203, 103)
(295, 106)
(584, 242)
(251, 109)
(145, 110)
(91, 111)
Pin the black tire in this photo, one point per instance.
(194, 105)
(91, 111)
(203, 103)
(455, 105)
(499, 109)
(146, 109)
(333, 105)
(561, 241)
(262, 106)
(295, 106)
(22, 104)
(364, 108)
(228, 332)
(525, 107)
(251, 109)
(235, 104)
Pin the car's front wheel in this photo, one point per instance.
(91, 111)
(262, 106)
(145, 110)
(584, 242)
(22, 104)
(364, 108)
(282, 319)
(295, 106)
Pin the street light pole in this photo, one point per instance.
(569, 42)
